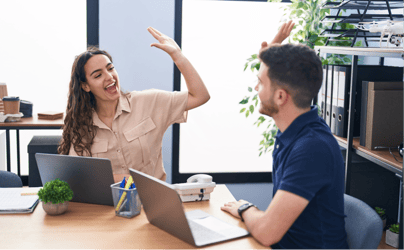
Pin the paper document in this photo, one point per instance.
(11, 200)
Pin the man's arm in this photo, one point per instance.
(270, 226)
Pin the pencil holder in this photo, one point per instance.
(126, 201)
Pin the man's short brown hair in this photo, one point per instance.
(295, 68)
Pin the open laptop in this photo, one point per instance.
(89, 178)
(163, 208)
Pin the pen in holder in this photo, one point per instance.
(126, 201)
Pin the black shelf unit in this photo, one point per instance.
(364, 5)
(372, 52)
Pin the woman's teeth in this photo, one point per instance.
(112, 84)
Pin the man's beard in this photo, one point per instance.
(269, 108)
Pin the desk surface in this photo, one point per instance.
(97, 226)
(33, 122)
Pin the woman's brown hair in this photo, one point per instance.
(78, 129)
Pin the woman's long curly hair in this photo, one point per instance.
(78, 129)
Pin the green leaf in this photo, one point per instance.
(256, 103)
(246, 66)
(249, 89)
(244, 101)
(247, 113)
(313, 38)
(251, 109)
(242, 110)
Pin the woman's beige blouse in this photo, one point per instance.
(135, 141)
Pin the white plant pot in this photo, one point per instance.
(391, 239)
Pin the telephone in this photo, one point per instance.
(197, 188)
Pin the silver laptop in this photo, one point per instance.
(163, 208)
(89, 178)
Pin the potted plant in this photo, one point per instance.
(392, 235)
(382, 213)
(55, 196)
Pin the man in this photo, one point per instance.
(307, 209)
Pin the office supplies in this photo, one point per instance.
(321, 96)
(343, 101)
(26, 108)
(384, 119)
(12, 200)
(89, 177)
(163, 208)
(50, 115)
(36, 193)
(364, 73)
(128, 184)
(368, 87)
(3, 92)
(128, 204)
(197, 188)
(328, 109)
(334, 107)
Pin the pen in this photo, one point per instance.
(122, 206)
(24, 194)
(122, 186)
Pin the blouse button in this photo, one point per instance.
(277, 146)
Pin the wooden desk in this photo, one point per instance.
(26, 123)
(97, 226)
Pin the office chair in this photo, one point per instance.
(9, 179)
(363, 225)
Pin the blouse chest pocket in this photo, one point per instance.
(99, 147)
(140, 133)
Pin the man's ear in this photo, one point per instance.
(85, 86)
(281, 96)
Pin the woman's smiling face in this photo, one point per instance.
(102, 79)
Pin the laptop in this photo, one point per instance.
(163, 208)
(89, 178)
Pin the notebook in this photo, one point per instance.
(163, 208)
(90, 178)
(11, 200)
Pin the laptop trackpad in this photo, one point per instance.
(211, 228)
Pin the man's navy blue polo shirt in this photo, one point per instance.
(307, 161)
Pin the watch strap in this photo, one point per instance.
(243, 208)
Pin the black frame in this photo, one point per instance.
(93, 24)
(228, 177)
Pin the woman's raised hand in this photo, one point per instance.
(283, 32)
(165, 43)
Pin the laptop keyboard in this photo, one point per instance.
(202, 234)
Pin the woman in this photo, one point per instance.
(102, 121)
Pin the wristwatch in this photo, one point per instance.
(243, 208)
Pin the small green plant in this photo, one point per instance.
(395, 228)
(381, 212)
(56, 191)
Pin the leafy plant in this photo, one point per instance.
(381, 212)
(395, 228)
(307, 15)
(56, 191)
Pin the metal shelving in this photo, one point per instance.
(355, 52)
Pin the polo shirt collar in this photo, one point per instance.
(123, 105)
(297, 125)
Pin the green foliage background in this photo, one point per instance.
(56, 191)
(307, 15)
